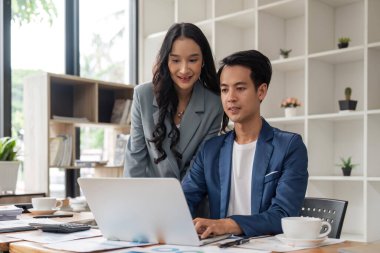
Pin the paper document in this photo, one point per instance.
(369, 248)
(201, 249)
(24, 222)
(7, 239)
(273, 244)
(44, 237)
(92, 244)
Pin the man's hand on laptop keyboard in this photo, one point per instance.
(208, 227)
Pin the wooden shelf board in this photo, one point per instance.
(339, 3)
(375, 45)
(285, 9)
(243, 19)
(289, 64)
(350, 54)
(290, 121)
(352, 115)
(336, 178)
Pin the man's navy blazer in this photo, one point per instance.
(279, 179)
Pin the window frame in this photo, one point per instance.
(72, 67)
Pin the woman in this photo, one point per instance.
(178, 110)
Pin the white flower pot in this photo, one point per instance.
(290, 112)
(8, 176)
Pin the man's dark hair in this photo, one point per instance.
(259, 64)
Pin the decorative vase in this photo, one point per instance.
(290, 112)
(349, 105)
(346, 171)
(8, 179)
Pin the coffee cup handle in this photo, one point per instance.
(59, 204)
(328, 225)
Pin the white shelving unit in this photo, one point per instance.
(316, 73)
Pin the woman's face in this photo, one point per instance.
(185, 63)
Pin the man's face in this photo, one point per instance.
(240, 100)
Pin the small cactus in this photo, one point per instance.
(347, 93)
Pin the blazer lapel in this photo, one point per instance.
(156, 111)
(192, 118)
(263, 154)
(225, 166)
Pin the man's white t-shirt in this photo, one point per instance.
(241, 179)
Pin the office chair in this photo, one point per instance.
(330, 210)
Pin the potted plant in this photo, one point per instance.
(8, 164)
(343, 42)
(290, 105)
(347, 104)
(284, 53)
(346, 166)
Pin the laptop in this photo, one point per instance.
(142, 210)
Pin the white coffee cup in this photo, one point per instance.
(304, 227)
(46, 203)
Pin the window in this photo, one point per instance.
(105, 40)
(38, 44)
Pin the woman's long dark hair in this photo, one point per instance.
(163, 85)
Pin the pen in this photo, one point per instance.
(53, 216)
(241, 241)
(234, 243)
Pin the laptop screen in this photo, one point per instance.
(140, 209)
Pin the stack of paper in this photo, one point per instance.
(9, 212)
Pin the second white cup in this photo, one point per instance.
(46, 203)
(304, 227)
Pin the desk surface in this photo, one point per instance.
(31, 247)
(77, 217)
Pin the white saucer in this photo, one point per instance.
(300, 242)
(42, 212)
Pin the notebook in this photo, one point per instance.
(142, 210)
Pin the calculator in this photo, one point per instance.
(63, 227)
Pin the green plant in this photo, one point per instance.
(347, 93)
(285, 52)
(8, 150)
(344, 40)
(346, 163)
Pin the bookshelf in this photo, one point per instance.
(57, 105)
(316, 73)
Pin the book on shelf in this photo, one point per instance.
(126, 112)
(117, 111)
(71, 119)
(90, 164)
(121, 111)
(56, 150)
(60, 150)
(119, 156)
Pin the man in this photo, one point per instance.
(255, 174)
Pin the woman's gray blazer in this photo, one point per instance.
(202, 120)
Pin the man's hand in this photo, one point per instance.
(207, 227)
